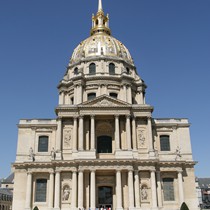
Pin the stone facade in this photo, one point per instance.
(104, 150)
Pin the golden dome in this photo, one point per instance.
(100, 43)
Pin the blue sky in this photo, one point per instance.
(168, 39)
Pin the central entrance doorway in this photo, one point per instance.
(105, 198)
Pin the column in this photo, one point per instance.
(75, 94)
(160, 202)
(181, 189)
(58, 134)
(87, 190)
(92, 132)
(75, 135)
(128, 132)
(151, 146)
(74, 190)
(61, 98)
(57, 189)
(81, 133)
(93, 190)
(80, 94)
(137, 194)
(130, 189)
(87, 135)
(129, 95)
(80, 189)
(134, 133)
(119, 189)
(28, 190)
(117, 133)
(125, 92)
(51, 190)
(153, 189)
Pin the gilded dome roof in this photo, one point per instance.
(100, 43)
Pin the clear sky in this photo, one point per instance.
(168, 39)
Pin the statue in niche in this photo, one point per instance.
(66, 193)
(67, 138)
(141, 138)
(144, 193)
(31, 154)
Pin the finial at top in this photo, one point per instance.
(100, 8)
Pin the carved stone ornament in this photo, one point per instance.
(105, 102)
(67, 138)
(141, 138)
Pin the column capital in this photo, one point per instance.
(179, 171)
(75, 117)
(128, 116)
(117, 115)
(149, 117)
(92, 116)
(29, 172)
(81, 116)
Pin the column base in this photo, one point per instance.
(155, 208)
(56, 209)
(58, 156)
(27, 209)
(132, 208)
(119, 208)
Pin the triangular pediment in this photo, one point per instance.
(104, 101)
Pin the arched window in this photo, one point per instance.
(43, 144)
(91, 96)
(41, 190)
(164, 143)
(76, 71)
(111, 69)
(92, 68)
(104, 144)
(113, 95)
(168, 189)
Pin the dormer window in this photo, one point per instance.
(111, 69)
(92, 69)
(91, 96)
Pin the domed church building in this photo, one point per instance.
(104, 150)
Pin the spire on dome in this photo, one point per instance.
(100, 22)
(100, 8)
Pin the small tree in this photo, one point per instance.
(36, 208)
(184, 206)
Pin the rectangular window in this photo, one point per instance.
(168, 189)
(164, 143)
(43, 144)
(41, 190)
